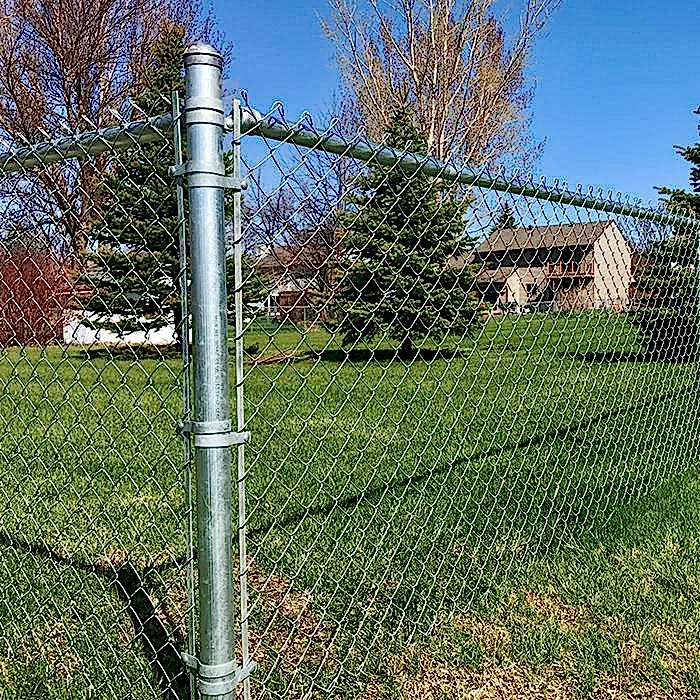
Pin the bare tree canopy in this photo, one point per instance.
(453, 61)
(66, 64)
(69, 66)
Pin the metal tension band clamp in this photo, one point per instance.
(197, 178)
(205, 110)
(213, 433)
(217, 679)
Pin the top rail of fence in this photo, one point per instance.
(304, 134)
(301, 133)
(86, 143)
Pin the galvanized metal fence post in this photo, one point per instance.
(217, 670)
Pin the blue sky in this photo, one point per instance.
(616, 82)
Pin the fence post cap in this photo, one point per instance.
(200, 52)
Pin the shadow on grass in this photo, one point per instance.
(357, 355)
(372, 495)
(619, 356)
(388, 355)
(610, 356)
(129, 352)
(129, 584)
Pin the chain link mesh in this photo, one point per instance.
(456, 384)
(94, 527)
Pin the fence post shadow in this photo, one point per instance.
(160, 649)
(158, 645)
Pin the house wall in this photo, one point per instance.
(613, 270)
(609, 286)
(516, 287)
(75, 332)
(569, 293)
(574, 294)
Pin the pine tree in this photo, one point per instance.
(666, 308)
(136, 263)
(394, 277)
(682, 201)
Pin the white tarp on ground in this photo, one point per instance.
(77, 332)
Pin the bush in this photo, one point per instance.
(36, 292)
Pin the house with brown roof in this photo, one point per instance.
(557, 267)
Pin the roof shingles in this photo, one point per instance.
(558, 236)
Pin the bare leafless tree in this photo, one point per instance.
(269, 218)
(453, 60)
(68, 66)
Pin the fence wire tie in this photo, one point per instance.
(213, 433)
(197, 178)
(217, 679)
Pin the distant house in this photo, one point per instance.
(296, 273)
(558, 267)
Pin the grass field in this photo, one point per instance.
(519, 516)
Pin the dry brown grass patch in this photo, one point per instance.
(568, 617)
(53, 645)
(171, 610)
(125, 633)
(112, 560)
(632, 655)
(419, 676)
(288, 629)
(679, 654)
(614, 687)
(494, 637)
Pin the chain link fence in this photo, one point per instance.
(457, 384)
(493, 371)
(94, 534)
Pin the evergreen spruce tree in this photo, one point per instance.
(505, 219)
(682, 201)
(394, 277)
(136, 263)
(666, 281)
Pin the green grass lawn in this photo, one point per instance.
(521, 514)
